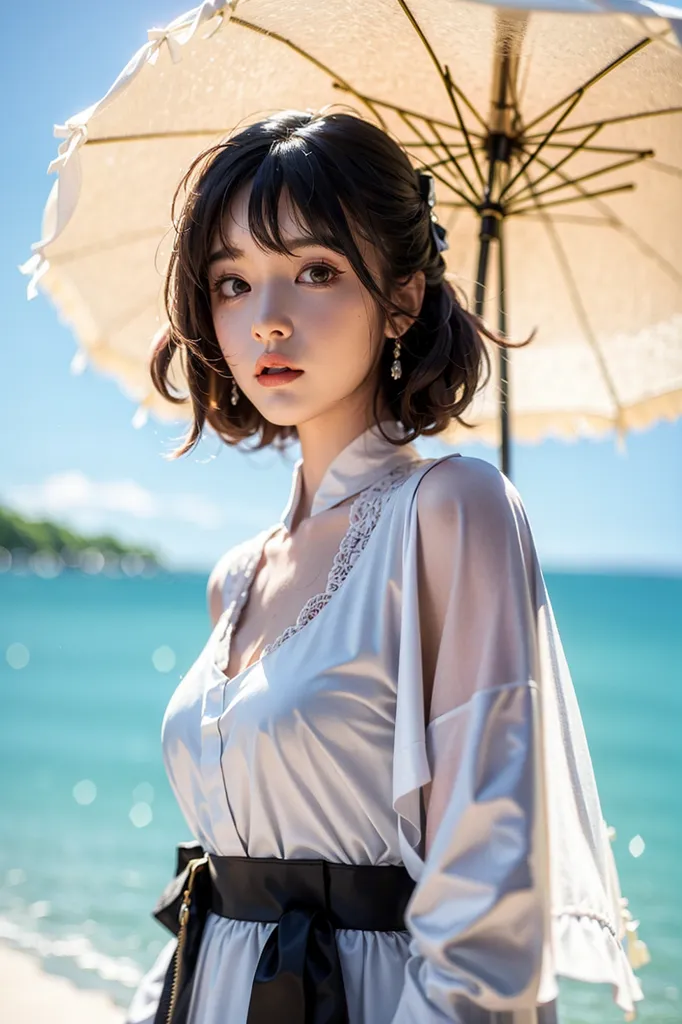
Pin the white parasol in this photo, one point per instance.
(554, 135)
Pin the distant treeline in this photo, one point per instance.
(42, 535)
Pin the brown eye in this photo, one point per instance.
(320, 273)
(228, 287)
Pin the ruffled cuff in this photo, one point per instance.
(587, 949)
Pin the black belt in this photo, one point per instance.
(298, 978)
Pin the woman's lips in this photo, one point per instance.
(273, 380)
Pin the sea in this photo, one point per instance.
(88, 824)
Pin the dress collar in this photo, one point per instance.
(357, 466)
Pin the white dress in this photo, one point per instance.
(320, 749)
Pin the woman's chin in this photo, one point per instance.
(282, 413)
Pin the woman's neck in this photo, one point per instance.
(321, 440)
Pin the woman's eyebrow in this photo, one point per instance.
(233, 252)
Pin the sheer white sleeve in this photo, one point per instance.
(472, 783)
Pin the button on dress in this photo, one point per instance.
(320, 749)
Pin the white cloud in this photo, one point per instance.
(74, 495)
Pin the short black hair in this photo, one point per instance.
(343, 176)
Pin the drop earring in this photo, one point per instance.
(234, 395)
(396, 366)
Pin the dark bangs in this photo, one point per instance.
(318, 187)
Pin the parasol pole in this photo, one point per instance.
(499, 147)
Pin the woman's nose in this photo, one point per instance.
(270, 331)
(271, 323)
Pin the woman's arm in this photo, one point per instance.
(478, 915)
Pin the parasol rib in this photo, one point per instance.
(582, 315)
(450, 86)
(572, 101)
(454, 206)
(541, 145)
(443, 73)
(615, 222)
(337, 80)
(452, 157)
(611, 150)
(445, 160)
(472, 201)
(146, 136)
(415, 113)
(577, 148)
(578, 93)
(572, 199)
(524, 194)
(410, 144)
(568, 218)
(611, 120)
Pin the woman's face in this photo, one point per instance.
(311, 309)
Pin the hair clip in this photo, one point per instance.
(427, 190)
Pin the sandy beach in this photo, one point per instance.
(30, 995)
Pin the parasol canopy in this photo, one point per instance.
(554, 133)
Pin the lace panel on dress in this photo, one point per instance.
(363, 517)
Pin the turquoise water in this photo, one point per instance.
(80, 721)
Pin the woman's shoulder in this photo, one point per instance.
(228, 571)
(456, 485)
(466, 525)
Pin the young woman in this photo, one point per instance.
(379, 750)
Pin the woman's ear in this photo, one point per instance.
(408, 295)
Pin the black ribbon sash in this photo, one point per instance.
(298, 978)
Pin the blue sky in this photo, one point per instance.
(70, 450)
